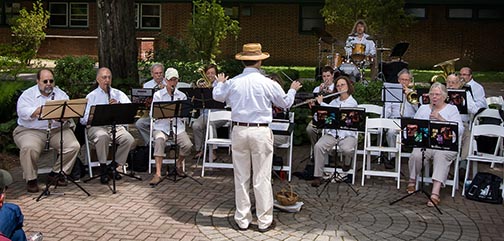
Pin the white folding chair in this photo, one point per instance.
(287, 145)
(495, 100)
(169, 143)
(449, 182)
(492, 114)
(478, 156)
(373, 124)
(378, 111)
(212, 139)
(90, 162)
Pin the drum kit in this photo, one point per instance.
(352, 65)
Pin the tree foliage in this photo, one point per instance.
(28, 30)
(209, 26)
(383, 17)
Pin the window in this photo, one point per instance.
(8, 12)
(150, 16)
(416, 12)
(75, 15)
(311, 18)
(464, 13)
(490, 13)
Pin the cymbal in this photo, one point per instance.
(320, 33)
(329, 40)
(382, 49)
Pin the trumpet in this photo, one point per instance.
(313, 99)
(411, 92)
(203, 82)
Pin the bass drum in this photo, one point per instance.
(350, 70)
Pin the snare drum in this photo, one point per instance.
(358, 52)
(350, 70)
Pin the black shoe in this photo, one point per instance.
(272, 226)
(316, 182)
(56, 179)
(389, 164)
(346, 167)
(32, 186)
(104, 179)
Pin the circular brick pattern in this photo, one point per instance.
(340, 214)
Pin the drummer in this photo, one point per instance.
(359, 36)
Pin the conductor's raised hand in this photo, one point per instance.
(221, 77)
(296, 85)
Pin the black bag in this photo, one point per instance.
(138, 159)
(485, 187)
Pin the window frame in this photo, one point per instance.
(302, 19)
(141, 16)
(58, 14)
(68, 15)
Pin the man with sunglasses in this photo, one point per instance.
(32, 135)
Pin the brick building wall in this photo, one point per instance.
(276, 26)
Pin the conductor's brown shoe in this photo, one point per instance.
(32, 186)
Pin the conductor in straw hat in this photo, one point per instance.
(251, 96)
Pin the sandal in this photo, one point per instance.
(411, 188)
(435, 200)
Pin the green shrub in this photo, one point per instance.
(75, 75)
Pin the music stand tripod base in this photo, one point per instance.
(60, 110)
(113, 115)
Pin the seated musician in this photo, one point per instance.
(32, 134)
(165, 128)
(345, 140)
(200, 125)
(325, 87)
(394, 110)
(440, 111)
(157, 82)
(453, 81)
(359, 36)
(101, 136)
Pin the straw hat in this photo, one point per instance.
(252, 51)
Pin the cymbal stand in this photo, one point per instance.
(318, 72)
(380, 74)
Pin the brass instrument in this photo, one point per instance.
(203, 82)
(412, 94)
(313, 99)
(448, 68)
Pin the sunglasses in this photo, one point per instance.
(48, 80)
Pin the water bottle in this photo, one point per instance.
(36, 237)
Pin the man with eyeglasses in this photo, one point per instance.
(478, 92)
(32, 135)
(157, 82)
(101, 136)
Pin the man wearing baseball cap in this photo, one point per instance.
(11, 218)
(251, 96)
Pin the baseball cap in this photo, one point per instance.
(5, 179)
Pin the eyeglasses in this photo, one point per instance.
(341, 85)
(48, 80)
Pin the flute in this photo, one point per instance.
(325, 96)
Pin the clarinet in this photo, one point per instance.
(48, 130)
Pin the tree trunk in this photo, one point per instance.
(116, 38)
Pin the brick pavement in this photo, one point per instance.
(188, 211)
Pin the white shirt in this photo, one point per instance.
(349, 102)
(164, 124)
(449, 113)
(29, 101)
(316, 90)
(370, 45)
(393, 109)
(478, 94)
(152, 83)
(250, 96)
(99, 97)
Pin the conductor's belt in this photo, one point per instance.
(249, 124)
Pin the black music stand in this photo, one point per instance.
(428, 134)
(113, 114)
(173, 109)
(201, 98)
(328, 117)
(60, 110)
